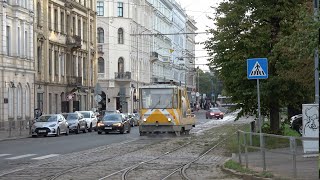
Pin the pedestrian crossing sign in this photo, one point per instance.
(257, 68)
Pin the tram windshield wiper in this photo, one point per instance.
(157, 103)
(167, 105)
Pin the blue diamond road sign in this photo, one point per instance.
(257, 68)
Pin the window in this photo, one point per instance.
(68, 24)
(85, 3)
(39, 14)
(19, 41)
(84, 26)
(19, 101)
(39, 58)
(56, 101)
(50, 61)
(62, 22)
(49, 17)
(74, 68)
(26, 43)
(79, 27)
(50, 103)
(120, 36)
(62, 64)
(100, 35)
(40, 101)
(120, 9)
(84, 68)
(8, 39)
(27, 101)
(100, 65)
(56, 20)
(91, 33)
(56, 62)
(79, 66)
(120, 65)
(74, 25)
(11, 103)
(100, 11)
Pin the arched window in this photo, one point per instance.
(120, 65)
(19, 101)
(120, 36)
(38, 13)
(100, 35)
(100, 65)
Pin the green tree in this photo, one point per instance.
(282, 31)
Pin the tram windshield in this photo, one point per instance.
(163, 98)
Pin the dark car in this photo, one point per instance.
(214, 113)
(296, 123)
(113, 123)
(76, 122)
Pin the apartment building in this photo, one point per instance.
(16, 62)
(65, 55)
(123, 51)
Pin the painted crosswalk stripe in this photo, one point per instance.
(1, 155)
(22, 156)
(45, 157)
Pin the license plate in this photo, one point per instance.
(41, 131)
(107, 127)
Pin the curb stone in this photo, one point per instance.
(241, 175)
(14, 138)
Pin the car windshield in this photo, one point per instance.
(112, 117)
(214, 110)
(47, 119)
(85, 114)
(70, 117)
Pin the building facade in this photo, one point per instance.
(123, 51)
(65, 55)
(16, 62)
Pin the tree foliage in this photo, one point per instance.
(282, 31)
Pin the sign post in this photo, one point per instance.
(257, 68)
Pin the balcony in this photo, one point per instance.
(122, 76)
(73, 42)
(74, 81)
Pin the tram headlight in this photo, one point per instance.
(144, 119)
(169, 119)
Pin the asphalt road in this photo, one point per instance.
(28, 150)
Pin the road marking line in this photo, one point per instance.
(45, 157)
(22, 156)
(1, 155)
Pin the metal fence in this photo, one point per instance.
(276, 152)
(15, 128)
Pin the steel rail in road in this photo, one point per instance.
(104, 159)
(50, 161)
(127, 170)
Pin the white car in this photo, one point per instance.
(91, 119)
(50, 124)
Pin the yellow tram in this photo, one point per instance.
(165, 108)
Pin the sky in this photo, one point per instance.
(199, 9)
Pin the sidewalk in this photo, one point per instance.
(282, 164)
(14, 134)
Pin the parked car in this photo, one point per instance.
(50, 124)
(114, 123)
(91, 119)
(132, 119)
(76, 122)
(296, 123)
(214, 112)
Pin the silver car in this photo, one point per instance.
(76, 122)
(50, 124)
(91, 119)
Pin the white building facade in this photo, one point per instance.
(17, 71)
(123, 52)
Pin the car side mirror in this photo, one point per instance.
(59, 120)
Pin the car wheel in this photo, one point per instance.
(67, 132)
(58, 132)
(85, 129)
(34, 136)
(90, 129)
(77, 130)
(99, 132)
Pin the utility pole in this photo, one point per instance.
(316, 54)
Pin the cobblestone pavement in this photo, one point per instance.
(109, 162)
